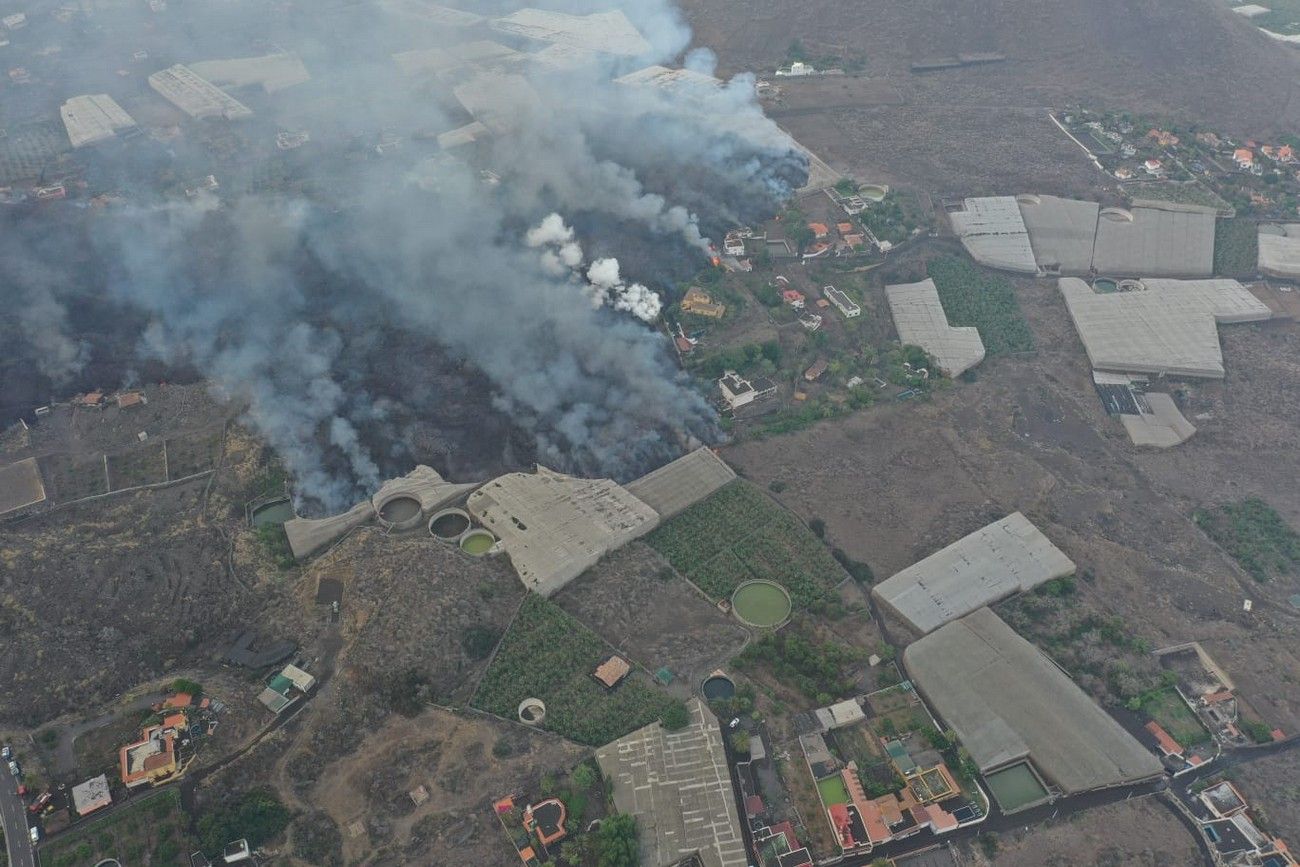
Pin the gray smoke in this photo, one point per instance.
(284, 295)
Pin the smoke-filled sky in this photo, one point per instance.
(287, 296)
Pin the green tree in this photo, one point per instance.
(583, 776)
(616, 842)
(675, 716)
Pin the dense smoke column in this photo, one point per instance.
(289, 301)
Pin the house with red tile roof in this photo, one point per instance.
(1168, 746)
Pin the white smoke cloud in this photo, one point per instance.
(604, 285)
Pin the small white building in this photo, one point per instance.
(843, 302)
(738, 391)
(796, 69)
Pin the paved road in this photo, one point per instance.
(14, 815)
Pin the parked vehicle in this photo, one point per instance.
(6, 753)
(35, 834)
(40, 802)
(14, 769)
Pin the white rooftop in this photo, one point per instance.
(1163, 427)
(433, 13)
(91, 795)
(1006, 557)
(921, 321)
(1061, 231)
(993, 232)
(605, 32)
(1251, 10)
(1279, 250)
(668, 79)
(452, 57)
(195, 95)
(92, 119)
(1171, 327)
(272, 72)
(1155, 242)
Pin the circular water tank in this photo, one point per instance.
(476, 543)
(449, 525)
(532, 711)
(400, 512)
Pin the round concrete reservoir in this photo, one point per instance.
(532, 711)
(477, 542)
(718, 688)
(400, 512)
(449, 524)
(1104, 285)
(874, 192)
(274, 512)
(761, 603)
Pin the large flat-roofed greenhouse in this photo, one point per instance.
(1009, 703)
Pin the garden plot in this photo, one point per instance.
(549, 655)
(145, 465)
(738, 534)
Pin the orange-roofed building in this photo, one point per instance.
(175, 721)
(152, 759)
(546, 820)
(844, 228)
(130, 398)
(816, 250)
(1244, 157)
(92, 398)
(1286, 153)
(889, 808)
(1217, 696)
(1168, 746)
(941, 820)
(874, 821)
(504, 805)
(819, 230)
(843, 823)
(179, 700)
(612, 671)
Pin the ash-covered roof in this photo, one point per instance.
(676, 486)
(993, 232)
(603, 32)
(1008, 701)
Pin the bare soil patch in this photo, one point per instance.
(1140, 833)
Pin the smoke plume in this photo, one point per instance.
(534, 255)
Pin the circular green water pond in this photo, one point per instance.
(761, 603)
(477, 542)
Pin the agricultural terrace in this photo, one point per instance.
(1168, 709)
(1236, 247)
(738, 534)
(152, 830)
(547, 654)
(1255, 535)
(988, 302)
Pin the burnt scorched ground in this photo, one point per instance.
(411, 609)
(100, 596)
(972, 129)
(637, 602)
(898, 482)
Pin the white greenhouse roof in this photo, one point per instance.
(921, 321)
